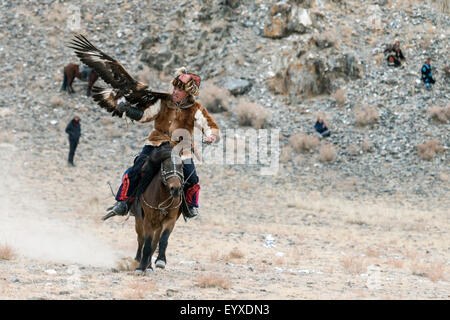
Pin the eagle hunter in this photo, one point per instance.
(177, 112)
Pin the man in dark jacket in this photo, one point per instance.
(321, 128)
(427, 76)
(73, 129)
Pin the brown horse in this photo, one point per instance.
(72, 71)
(161, 207)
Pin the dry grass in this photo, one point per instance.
(372, 253)
(126, 264)
(353, 149)
(138, 289)
(435, 271)
(366, 116)
(236, 254)
(327, 153)
(379, 58)
(429, 149)
(286, 154)
(366, 145)
(6, 252)
(354, 264)
(252, 114)
(215, 99)
(213, 281)
(340, 97)
(57, 101)
(396, 263)
(440, 114)
(302, 142)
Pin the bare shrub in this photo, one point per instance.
(373, 253)
(215, 99)
(302, 142)
(353, 264)
(327, 153)
(366, 116)
(57, 101)
(340, 97)
(353, 149)
(286, 154)
(396, 263)
(126, 264)
(234, 254)
(436, 272)
(366, 145)
(440, 114)
(213, 280)
(429, 149)
(138, 290)
(6, 252)
(252, 114)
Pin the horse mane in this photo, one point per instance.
(151, 168)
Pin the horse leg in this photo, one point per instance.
(70, 85)
(163, 241)
(64, 84)
(146, 257)
(92, 78)
(140, 239)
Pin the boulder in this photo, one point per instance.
(287, 19)
(237, 86)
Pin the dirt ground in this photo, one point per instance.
(252, 240)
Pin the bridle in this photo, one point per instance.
(166, 174)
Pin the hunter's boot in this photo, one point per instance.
(190, 205)
(120, 208)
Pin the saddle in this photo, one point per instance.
(149, 170)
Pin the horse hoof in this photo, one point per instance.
(149, 271)
(160, 264)
(138, 272)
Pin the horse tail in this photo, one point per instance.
(64, 84)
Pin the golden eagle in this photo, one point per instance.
(113, 73)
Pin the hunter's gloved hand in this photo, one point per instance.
(130, 111)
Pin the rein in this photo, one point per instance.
(164, 210)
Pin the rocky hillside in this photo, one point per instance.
(295, 59)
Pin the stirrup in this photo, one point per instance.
(120, 208)
(190, 213)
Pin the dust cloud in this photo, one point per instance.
(34, 230)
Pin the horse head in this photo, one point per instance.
(172, 174)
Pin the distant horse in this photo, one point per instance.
(72, 71)
(157, 207)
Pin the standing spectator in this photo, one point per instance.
(73, 129)
(321, 128)
(427, 76)
(395, 55)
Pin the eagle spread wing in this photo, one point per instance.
(113, 73)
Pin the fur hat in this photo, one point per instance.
(188, 82)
